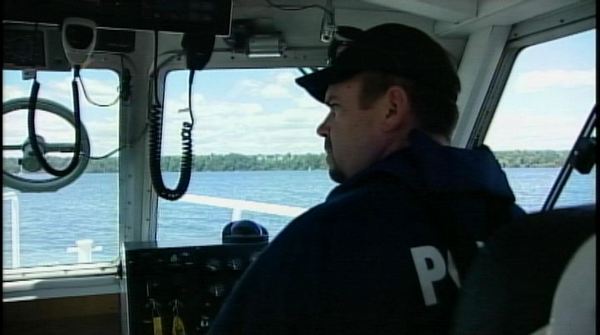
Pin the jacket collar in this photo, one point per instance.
(427, 166)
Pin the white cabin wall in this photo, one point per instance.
(137, 202)
(480, 59)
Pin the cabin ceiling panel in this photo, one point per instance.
(441, 10)
(363, 20)
(357, 18)
(502, 13)
(560, 23)
(302, 37)
(302, 28)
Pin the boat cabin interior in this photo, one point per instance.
(172, 144)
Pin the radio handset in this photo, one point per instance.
(78, 39)
(198, 49)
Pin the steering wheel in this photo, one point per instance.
(29, 161)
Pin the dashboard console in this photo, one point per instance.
(191, 282)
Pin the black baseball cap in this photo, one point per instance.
(391, 48)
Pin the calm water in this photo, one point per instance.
(88, 209)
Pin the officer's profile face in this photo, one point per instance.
(353, 136)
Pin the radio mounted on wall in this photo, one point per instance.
(159, 15)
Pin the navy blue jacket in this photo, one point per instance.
(374, 257)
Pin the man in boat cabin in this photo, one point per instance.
(386, 251)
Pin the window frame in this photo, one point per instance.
(517, 43)
(11, 276)
(175, 63)
(522, 37)
(567, 168)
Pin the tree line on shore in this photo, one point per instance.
(239, 162)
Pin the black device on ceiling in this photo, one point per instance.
(26, 46)
(162, 15)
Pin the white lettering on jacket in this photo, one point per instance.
(436, 270)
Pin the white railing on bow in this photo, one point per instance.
(238, 206)
(14, 227)
(85, 247)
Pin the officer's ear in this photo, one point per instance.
(398, 109)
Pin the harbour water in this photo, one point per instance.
(88, 209)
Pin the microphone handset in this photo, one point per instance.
(79, 40)
(198, 49)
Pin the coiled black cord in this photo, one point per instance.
(33, 136)
(155, 141)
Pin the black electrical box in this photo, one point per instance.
(167, 286)
(212, 16)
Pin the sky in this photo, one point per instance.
(547, 98)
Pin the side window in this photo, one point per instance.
(79, 222)
(548, 97)
(256, 153)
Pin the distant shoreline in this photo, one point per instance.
(239, 162)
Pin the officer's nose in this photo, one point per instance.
(323, 128)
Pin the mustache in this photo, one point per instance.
(327, 145)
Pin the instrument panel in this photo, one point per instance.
(170, 289)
